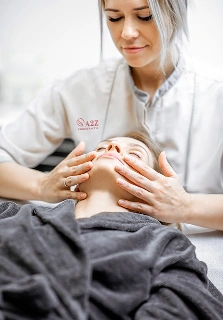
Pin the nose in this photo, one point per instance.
(129, 30)
(114, 146)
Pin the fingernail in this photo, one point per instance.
(84, 177)
(128, 158)
(121, 202)
(83, 196)
(120, 181)
(118, 167)
(93, 153)
(88, 165)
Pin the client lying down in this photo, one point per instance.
(97, 260)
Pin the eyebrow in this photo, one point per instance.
(135, 9)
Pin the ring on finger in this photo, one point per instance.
(65, 184)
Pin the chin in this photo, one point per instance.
(101, 176)
(137, 62)
(143, 60)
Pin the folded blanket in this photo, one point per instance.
(109, 266)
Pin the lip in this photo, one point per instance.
(133, 50)
(112, 155)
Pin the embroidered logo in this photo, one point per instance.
(87, 125)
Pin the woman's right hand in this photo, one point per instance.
(55, 185)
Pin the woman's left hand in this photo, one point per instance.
(163, 196)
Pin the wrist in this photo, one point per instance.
(38, 186)
(189, 209)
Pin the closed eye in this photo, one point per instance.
(114, 19)
(148, 18)
(100, 148)
(136, 154)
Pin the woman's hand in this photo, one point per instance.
(55, 185)
(163, 196)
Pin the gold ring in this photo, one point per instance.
(65, 184)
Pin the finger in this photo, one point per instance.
(67, 194)
(136, 206)
(73, 180)
(165, 166)
(135, 177)
(81, 159)
(142, 168)
(79, 169)
(136, 191)
(79, 150)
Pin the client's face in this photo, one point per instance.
(109, 154)
(115, 149)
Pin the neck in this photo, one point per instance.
(98, 201)
(150, 77)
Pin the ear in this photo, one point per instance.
(165, 166)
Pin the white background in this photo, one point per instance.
(41, 40)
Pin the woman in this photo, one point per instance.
(106, 263)
(153, 89)
(103, 179)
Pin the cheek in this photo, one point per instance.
(151, 162)
(115, 30)
(154, 37)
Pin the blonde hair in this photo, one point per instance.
(170, 18)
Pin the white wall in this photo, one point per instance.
(44, 39)
(206, 31)
(56, 34)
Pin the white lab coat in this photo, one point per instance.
(185, 118)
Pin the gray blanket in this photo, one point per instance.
(110, 266)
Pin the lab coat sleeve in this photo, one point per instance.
(37, 132)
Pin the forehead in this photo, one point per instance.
(134, 3)
(126, 2)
